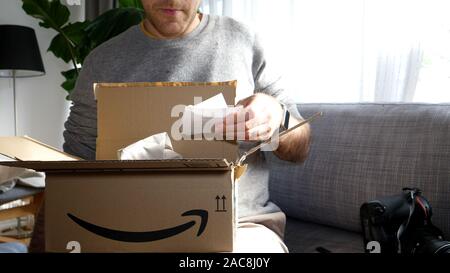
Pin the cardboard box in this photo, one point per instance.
(138, 206)
(109, 205)
(129, 112)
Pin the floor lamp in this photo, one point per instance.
(19, 57)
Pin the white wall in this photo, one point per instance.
(41, 105)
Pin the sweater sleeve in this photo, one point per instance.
(81, 126)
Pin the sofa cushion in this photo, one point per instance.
(363, 151)
(304, 237)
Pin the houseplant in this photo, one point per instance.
(74, 41)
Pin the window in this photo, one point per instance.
(353, 50)
(434, 78)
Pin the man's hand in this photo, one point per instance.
(256, 119)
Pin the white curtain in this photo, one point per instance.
(340, 51)
(392, 50)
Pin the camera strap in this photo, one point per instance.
(405, 224)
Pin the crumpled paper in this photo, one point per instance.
(156, 147)
(199, 120)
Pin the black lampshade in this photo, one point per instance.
(19, 52)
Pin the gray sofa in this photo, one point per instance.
(360, 152)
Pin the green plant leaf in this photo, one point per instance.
(83, 49)
(51, 13)
(59, 48)
(131, 4)
(71, 78)
(112, 23)
(75, 33)
(75, 41)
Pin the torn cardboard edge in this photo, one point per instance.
(162, 165)
(156, 84)
(176, 165)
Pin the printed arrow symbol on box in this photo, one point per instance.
(146, 236)
(223, 202)
(217, 200)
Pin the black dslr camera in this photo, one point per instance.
(402, 224)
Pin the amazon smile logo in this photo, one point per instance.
(146, 236)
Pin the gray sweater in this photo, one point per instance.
(219, 49)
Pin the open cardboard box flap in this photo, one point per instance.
(26, 152)
(28, 149)
(129, 112)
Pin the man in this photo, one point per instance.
(176, 43)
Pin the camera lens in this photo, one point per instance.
(443, 249)
(434, 246)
